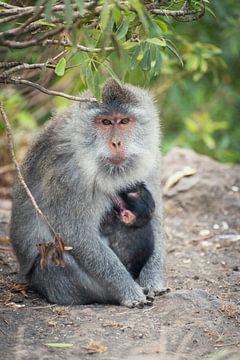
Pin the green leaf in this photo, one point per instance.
(204, 66)
(129, 45)
(48, 11)
(174, 51)
(163, 26)
(134, 60)
(158, 62)
(157, 41)
(105, 16)
(60, 67)
(68, 13)
(89, 80)
(146, 61)
(154, 30)
(123, 29)
(59, 345)
(26, 120)
(80, 5)
(45, 23)
(192, 62)
(210, 11)
(209, 141)
(97, 81)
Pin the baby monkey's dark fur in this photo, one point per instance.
(132, 242)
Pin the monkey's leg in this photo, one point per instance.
(152, 275)
(67, 285)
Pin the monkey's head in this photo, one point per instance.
(134, 206)
(120, 136)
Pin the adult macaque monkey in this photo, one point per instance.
(76, 167)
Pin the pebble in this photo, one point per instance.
(225, 225)
(204, 232)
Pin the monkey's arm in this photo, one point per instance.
(96, 258)
(152, 275)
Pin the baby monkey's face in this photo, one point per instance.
(135, 206)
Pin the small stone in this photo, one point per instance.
(216, 226)
(196, 277)
(235, 268)
(235, 188)
(204, 232)
(225, 225)
(206, 243)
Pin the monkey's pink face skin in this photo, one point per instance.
(127, 217)
(116, 127)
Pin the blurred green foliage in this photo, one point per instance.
(201, 102)
(192, 67)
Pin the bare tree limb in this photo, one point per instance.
(67, 43)
(38, 41)
(6, 6)
(183, 14)
(17, 81)
(25, 66)
(19, 174)
(10, 64)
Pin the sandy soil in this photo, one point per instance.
(199, 317)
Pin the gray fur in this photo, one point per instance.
(67, 172)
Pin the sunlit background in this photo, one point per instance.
(199, 100)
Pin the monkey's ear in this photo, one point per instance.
(114, 92)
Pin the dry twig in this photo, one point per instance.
(19, 174)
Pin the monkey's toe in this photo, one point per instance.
(139, 303)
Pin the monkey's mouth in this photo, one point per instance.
(117, 160)
(116, 167)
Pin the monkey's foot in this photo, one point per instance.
(156, 292)
(148, 301)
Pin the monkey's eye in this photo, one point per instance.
(124, 121)
(106, 122)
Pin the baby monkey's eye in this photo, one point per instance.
(124, 121)
(106, 122)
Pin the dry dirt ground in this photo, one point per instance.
(199, 317)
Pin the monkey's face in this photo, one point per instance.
(115, 129)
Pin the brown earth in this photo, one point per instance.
(199, 317)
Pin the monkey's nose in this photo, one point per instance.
(116, 144)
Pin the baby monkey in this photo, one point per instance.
(128, 227)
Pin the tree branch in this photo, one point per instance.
(25, 66)
(38, 41)
(184, 12)
(66, 43)
(20, 81)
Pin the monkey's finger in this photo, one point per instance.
(145, 290)
(161, 291)
(150, 298)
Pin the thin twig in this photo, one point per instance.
(6, 6)
(10, 64)
(26, 66)
(78, 46)
(38, 41)
(19, 174)
(44, 90)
